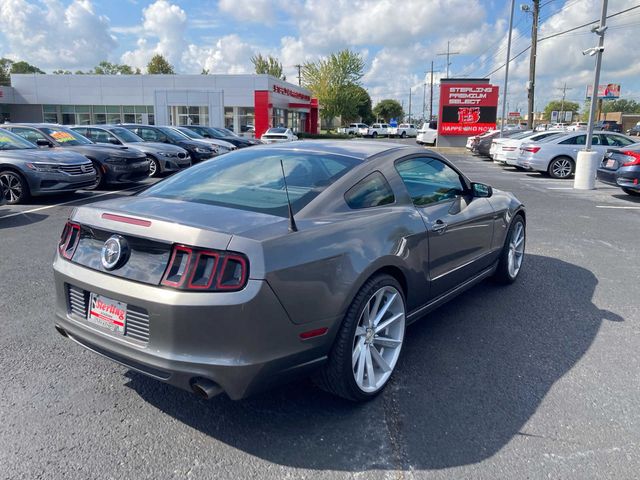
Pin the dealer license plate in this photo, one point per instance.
(107, 313)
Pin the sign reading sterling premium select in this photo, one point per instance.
(467, 108)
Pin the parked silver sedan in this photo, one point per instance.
(279, 261)
(557, 155)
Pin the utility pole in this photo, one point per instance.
(424, 101)
(431, 93)
(448, 54)
(506, 70)
(409, 104)
(564, 93)
(532, 60)
(299, 67)
(587, 162)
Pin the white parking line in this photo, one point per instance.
(559, 188)
(39, 209)
(613, 206)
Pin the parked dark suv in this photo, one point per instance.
(113, 164)
(608, 126)
(223, 134)
(198, 150)
(163, 157)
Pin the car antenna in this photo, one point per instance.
(292, 221)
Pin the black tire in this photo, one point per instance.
(99, 177)
(502, 274)
(154, 167)
(374, 134)
(403, 135)
(634, 193)
(16, 188)
(554, 169)
(336, 377)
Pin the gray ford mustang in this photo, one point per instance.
(279, 261)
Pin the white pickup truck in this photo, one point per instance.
(378, 130)
(428, 133)
(403, 130)
(354, 129)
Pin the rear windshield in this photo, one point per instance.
(251, 179)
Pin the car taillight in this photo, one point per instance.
(69, 240)
(531, 149)
(634, 155)
(205, 270)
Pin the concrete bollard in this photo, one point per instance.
(586, 167)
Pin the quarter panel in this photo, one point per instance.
(317, 271)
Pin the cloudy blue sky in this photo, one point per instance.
(397, 38)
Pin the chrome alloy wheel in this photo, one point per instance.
(562, 168)
(12, 186)
(516, 250)
(153, 168)
(378, 339)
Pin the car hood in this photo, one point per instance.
(102, 151)
(218, 142)
(152, 147)
(38, 155)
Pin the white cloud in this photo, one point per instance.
(50, 35)
(253, 11)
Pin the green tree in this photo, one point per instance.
(108, 68)
(268, 65)
(205, 71)
(8, 66)
(559, 106)
(63, 72)
(620, 105)
(357, 104)
(388, 109)
(159, 65)
(331, 80)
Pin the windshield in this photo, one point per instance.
(190, 133)
(225, 132)
(252, 180)
(65, 136)
(126, 136)
(277, 130)
(10, 141)
(175, 135)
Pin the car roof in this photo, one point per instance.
(38, 125)
(360, 149)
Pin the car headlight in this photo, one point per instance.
(44, 167)
(222, 150)
(203, 150)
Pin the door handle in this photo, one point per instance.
(439, 227)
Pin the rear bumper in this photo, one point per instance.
(532, 164)
(625, 177)
(243, 341)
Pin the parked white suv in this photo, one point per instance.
(403, 130)
(378, 130)
(577, 126)
(557, 155)
(428, 133)
(506, 150)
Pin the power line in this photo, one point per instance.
(448, 54)
(561, 33)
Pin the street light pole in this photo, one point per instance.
(506, 70)
(532, 62)
(587, 162)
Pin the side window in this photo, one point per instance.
(29, 134)
(148, 134)
(618, 141)
(83, 131)
(429, 180)
(371, 191)
(577, 140)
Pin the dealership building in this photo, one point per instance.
(243, 103)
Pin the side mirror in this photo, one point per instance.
(481, 190)
(114, 141)
(41, 142)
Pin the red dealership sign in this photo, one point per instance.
(467, 108)
(291, 93)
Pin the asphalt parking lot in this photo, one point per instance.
(535, 380)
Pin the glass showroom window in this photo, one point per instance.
(279, 117)
(228, 117)
(184, 115)
(83, 115)
(246, 119)
(130, 115)
(68, 114)
(113, 114)
(99, 114)
(150, 115)
(50, 113)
